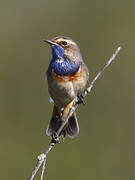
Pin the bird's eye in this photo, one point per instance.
(64, 43)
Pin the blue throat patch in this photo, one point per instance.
(57, 52)
(62, 65)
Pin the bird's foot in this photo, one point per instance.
(80, 99)
(55, 138)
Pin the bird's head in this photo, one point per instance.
(64, 46)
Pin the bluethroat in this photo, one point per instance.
(67, 77)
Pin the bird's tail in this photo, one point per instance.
(71, 128)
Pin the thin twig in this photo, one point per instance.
(43, 169)
(112, 58)
(43, 157)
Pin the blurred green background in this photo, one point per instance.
(105, 147)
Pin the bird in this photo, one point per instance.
(67, 77)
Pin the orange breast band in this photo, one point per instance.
(74, 77)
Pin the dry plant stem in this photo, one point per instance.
(43, 169)
(43, 157)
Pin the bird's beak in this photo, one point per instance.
(49, 42)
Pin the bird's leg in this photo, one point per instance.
(80, 99)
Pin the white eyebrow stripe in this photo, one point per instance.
(68, 41)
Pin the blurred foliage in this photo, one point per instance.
(105, 146)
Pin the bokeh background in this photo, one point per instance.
(105, 147)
